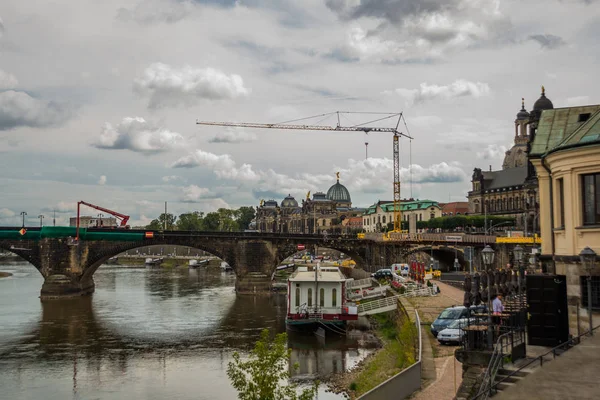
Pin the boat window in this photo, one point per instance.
(297, 297)
(333, 297)
(322, 297)
(310, 297)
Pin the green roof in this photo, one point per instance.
(563, 127)
(404, 206)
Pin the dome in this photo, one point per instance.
(515, 157)
(339, 193)
(289, 201)
(522, 115)
(543, 103)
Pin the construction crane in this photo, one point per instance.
(122, 217)
(340, 128)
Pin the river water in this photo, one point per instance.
(146, 333)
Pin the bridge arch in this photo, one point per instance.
(445, 254)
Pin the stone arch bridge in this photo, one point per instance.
(68, 265)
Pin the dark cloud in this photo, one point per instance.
(393, 11)
(20, 109)
(548, 41)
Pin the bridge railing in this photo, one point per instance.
(450, 238)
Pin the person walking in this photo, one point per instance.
(498, 309)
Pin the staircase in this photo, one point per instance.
(507, 381)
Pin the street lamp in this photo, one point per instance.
(23, 213)
(588, 260)
(518, 253)
(487, 254)
(41, 217)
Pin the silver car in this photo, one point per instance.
(454, 332)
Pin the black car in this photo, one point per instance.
(383, 274)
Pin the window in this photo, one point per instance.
(432, 216)
(560, 187)
(384, 219)
(310, 297)
(584, 117)
(591, 199)
(322, 297)
(297, 297)
(595, 292)
(334, 297)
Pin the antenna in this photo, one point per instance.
(366, 150)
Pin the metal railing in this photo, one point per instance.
(389, 302)
(496, 362)
(359, 283)
(540, 358)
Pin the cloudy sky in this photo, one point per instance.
(99, 99)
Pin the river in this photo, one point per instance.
(146, 333)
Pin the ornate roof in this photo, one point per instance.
(289, 201)
(338, 192)
(522, 115)
(515, 157)
(543, 103)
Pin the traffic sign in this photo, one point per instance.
(22, 231)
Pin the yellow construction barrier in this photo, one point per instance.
(524, 240)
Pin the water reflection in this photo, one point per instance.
(145, 333)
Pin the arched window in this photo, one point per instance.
(309, 297)
(517, 202)
(334, 297)
(297, 297)
(322, 297)
(384, 219)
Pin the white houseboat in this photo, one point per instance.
(317, 297)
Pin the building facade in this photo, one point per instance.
(331, 212)
(566, 156)
(455, 208)
(513, 190)
(377, 217)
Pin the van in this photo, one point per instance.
(400, 269)
(453, 313)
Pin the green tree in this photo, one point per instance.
(212, 221)
(261, 376)
(244, 215)
(227, 220)
(159, 223)
(191, 221)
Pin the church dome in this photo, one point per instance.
(522, 115)
(338, 193)
(543, 103)
(289, 201)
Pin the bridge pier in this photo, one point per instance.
(60, 286)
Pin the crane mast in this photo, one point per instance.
(339, 128)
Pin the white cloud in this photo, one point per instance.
(459, 88)
(173, 178)
(492, 151)
(425, 31)
(62, 207)
(20, 109)
(5, 212)
(102, 180)
(193, 194)
(222, 165)
(7, 81)
(232, 135)
(167, 86)
(137, 134)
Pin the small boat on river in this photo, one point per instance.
(197, 263)
(153, 261)
(317, 298)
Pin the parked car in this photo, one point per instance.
(451, 314)
(454, 333)
(383, 273)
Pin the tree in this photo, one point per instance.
(261, 376)
(244, 215)
(159, 224)
(191, 221)
(212, 221)
(227, 221)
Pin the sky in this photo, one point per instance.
(99, 99)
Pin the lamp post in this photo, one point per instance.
(487, 254)
(23, 214)
(588, 259)
(41, 217)
(518, 253)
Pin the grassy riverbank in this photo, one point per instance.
(399, 338)
(5, 274)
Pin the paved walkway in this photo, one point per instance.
(573, 375)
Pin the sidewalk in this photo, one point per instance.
(573, 375)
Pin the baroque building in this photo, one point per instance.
(566, 157)
(379, 216)
(331, 212)
(513, 190)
